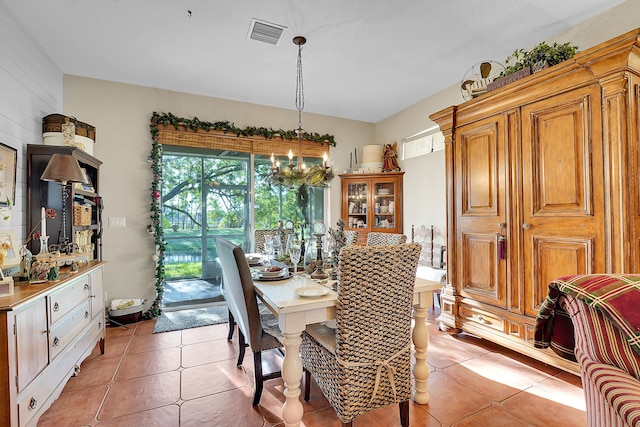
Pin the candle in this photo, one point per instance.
(355, 155)
(43, 221)
(350, 161)
(324, 159)
(273, 160)
(290, 156)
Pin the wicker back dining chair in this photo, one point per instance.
(375, 238)
(350, 237)
(258, 244)
(243, 309)
(365, 363)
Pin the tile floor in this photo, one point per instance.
(189, 378)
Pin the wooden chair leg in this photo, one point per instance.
(241, 347)
(307, 385)
(232, 324)
(257, 367)
(404, 413)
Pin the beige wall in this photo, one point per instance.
(121, 116)
(424, 178)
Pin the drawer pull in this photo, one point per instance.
(56, 342)
(99, 325)
(56, 306)
(86, 287)
(46, 331)
(482, 320)
(33, 403)
(86, 314)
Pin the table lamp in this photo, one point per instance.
(63, 168)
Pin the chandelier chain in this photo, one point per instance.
(299, 88)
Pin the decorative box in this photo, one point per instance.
(6, 286)
(56, 126)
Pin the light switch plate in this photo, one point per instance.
(117, 222)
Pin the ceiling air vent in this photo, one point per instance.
(266, 32)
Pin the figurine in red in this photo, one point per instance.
(391, 158)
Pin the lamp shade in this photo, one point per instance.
(63, 168)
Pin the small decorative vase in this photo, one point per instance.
(44, 247)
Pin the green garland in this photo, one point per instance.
(155, 159)
(155, 228)
(196, 124)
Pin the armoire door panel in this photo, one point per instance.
(480, 275)
(560, 157)
(480, 170)
(563, 190)
(555, 257)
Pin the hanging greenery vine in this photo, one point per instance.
(155, 159)
(155, 228)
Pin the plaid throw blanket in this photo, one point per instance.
(615, 295)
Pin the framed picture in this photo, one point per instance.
(8, 160)
(9, 249)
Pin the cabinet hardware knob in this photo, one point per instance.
(46, 331)
(33, 403)
(99, 325)
(526, 226)
(56, 306)
(92, 296)
(86, 314)
(56, 342)
(86, 287)
(481, 319)
(501, 225)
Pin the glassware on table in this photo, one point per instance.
(268, 248)
(294, 254)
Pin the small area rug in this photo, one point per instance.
(192, 318)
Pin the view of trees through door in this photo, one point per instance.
(208, 194)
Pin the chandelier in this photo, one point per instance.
(299, 175)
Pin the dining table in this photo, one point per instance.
(295, 304)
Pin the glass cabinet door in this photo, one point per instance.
(358, 197)
(384, 206)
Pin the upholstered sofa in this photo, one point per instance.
(604, 313)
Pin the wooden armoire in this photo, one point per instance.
(542, 181)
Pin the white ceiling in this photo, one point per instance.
(364, 59)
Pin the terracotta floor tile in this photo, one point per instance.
(444, 390)
(230, 409)
(495, 375)
(494, 416)
(145, 327)
(141, 394)
(209, 352)
(203, 380)
(74, 408)
(190, 378)
(553, 402)
(205, 333)
(151, 342)
(149, 363)
(113, 347)
(166, 416)
(94, 372)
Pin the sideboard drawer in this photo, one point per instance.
(66, 329)
(482, 317)
(66, 299)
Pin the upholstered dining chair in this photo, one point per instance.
(243, 309)
(375, 238)
(365, 363)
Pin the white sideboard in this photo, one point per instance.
(46, 331)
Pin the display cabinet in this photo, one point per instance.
(372, 202)
(83, 206)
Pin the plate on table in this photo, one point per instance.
(270, 271)
(311, 291)
(254, 259)
(261, 278)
